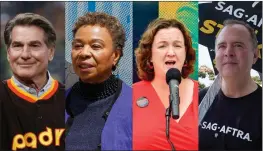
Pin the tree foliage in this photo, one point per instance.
(201, 85)
(257, 80)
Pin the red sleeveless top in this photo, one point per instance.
(149, 122)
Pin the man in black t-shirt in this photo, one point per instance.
(233, 114)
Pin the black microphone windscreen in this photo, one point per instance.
(173, 73)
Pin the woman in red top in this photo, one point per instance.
(165, 44)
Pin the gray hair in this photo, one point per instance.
(28, 19)
(251, 31)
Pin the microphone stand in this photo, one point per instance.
(168, 117)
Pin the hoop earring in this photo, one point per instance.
(113, 68)
(150, 65)
(185, 64)
(115, 71)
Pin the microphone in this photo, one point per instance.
(173, 79)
